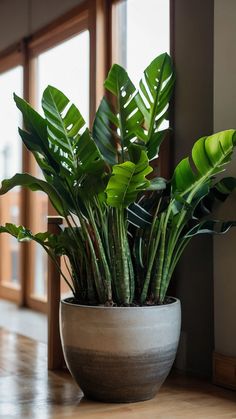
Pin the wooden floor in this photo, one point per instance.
(27, 390)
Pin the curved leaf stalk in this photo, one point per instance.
(122, 243)
(154, 223)
(102, 255)
(152, 258)
(172, 241)
(97, 274)
(103, 217)
(130, 264)
(76, 273)
(175, 234)
(165, 284)
(54, 258)
(114, 259)
(161, 256)
(90, 287)
(131, 274)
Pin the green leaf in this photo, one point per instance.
(23, 234)
(127, 180)
(102, 132)
(155, 92)
(138, 216)
(128, 117)
(34, 184)
(78, 152)
(88, 157)
(209, 155)
(153, 145)
(35, 137)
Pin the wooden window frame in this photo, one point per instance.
(9, 59)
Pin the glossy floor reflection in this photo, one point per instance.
(27, 390)
(24, 321)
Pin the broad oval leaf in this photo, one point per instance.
(209, 155)
(127, 180)
(78, 151)
(35, 137)
(103, 133)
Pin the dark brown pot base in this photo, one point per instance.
(119, 379)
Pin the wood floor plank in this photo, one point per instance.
(28, 390)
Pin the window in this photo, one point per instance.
(65, 66)
(10, 163)
(74, 54)
(140, 34)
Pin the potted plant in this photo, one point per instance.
(125, 229)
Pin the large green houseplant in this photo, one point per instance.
(125, 229)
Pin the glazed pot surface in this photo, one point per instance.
(120, 354)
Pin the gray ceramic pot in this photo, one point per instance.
(120, 354)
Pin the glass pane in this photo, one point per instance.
(142, 33)
(66, 67)
(10, 163)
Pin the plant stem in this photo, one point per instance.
(151, 261)
(161, 256)
(102, 255)
(122, 238)
(172, 267)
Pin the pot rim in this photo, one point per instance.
(176, 301)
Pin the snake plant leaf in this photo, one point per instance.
(34, 184)
(65, 126)
(138, 216)
(153, 99)
(128, 118)
(35, 137)
(210, 227)
(209, 155)
(103, 134)
(127, 180)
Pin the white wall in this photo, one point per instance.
(224, 118)
(20, 18)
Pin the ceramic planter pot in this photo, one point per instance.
(120, 354)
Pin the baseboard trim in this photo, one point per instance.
(224, 370)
